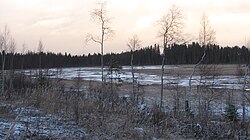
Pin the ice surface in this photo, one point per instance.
(94, 74)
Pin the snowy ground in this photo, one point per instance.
(32, 123)
(94, 74)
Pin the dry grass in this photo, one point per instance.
(186, 70)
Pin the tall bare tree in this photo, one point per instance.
(12, 49)
(133, 44)
(100, 15)
(23, 52)
(4, 48)
(41, 83)
(171, 26)
(3, 60)
(207, 33)
(206, 37)
(40, 50)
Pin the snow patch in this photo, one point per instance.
(33, 123)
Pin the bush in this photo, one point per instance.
(231, 114)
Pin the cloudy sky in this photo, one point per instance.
(63, 24)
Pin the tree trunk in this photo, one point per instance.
(191, 76)
(133, 75)
(162, 67)
(102, 45)
(102, 65)
(11, 76)
(243, 102)
(162, 76)
(3, 65)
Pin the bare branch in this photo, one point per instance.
(89, 37)
(207, 33)
(171, 26)
(24, 48)
(134, 43)
(5, 39)
(99, 14)
(12, 48)
(1, 41)
(40, 46)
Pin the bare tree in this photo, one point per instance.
(133, 44)
(206, 37)
(3, 60)
(12, 49)
(248, 44)
(207, 33)
(40, 51)
(4, 48)
(23, 52)
(171, 26)
(100, 15)
(40, 79)
(243, 98)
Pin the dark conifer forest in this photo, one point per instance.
(176, 54)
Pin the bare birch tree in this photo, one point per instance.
(40, 78)
(133, 44)
(100, 15)
(4, 48)
(206, 37)
(243, 98)
(12, 49)
(40, 51)
(3, 60)
(23, 53)
(171, 26)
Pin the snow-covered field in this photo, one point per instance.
(94, 74)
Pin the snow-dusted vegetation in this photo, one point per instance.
(73, 103)
(31, 123)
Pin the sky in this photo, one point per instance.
(62, 25)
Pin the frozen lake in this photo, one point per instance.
(143, 78)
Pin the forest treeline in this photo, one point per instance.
(176, 54)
